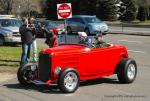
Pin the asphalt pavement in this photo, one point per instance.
(130, 30)
(104, 89)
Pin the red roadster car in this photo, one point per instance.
(68, 64)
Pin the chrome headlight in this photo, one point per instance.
(98, 28)
(57, 70)
(9, 34)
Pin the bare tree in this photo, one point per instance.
(25, 6)
(18, 7)
(6, 6)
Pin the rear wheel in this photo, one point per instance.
(69, 80)
(27, 73)
(127, 71)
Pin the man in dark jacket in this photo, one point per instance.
(26, 38)
(34, 44)
(51, 37)
(99, 41)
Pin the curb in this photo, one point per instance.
(130, 25)
(129, 33)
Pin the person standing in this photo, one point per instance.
(26, 38)
(51, 37)
(33, 44)
(83, 40)
(99, 43)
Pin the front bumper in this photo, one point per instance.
(102, 29)
(13, 39)
(39, 82)
(99, 32)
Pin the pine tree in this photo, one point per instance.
(143, 10)
(50, 10)
(87, 7)
(148, 12)
(107, 10)
(142, 13)
(104, 9)
(130, 12)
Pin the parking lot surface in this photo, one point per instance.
(103, 89)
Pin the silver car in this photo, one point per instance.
(9, 30)
(85, 23)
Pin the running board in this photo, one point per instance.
(38, 82)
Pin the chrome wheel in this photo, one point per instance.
(126, 70)
(28, 75)
(131, 71)
(70, 80)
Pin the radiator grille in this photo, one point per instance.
(44, 66)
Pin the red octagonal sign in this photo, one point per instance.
(64, 10)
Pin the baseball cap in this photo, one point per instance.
(82, 34)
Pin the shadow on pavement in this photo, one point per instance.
(42, 88)
(54, 89)
(99, 81)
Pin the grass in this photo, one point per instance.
(10, 57)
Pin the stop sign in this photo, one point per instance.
(64, 10)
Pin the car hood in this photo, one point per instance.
(65, 49)
(97, 24)
(79, 49)
(11, 29)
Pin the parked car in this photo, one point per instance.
(85, 23)
(9, 30)
(68, 64)
(41, 25)
(39, 28)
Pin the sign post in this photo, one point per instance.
(64, 11)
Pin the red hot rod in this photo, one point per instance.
(68, 64)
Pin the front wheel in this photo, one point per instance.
(26, 74)
(69, 80)
(127, 71)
